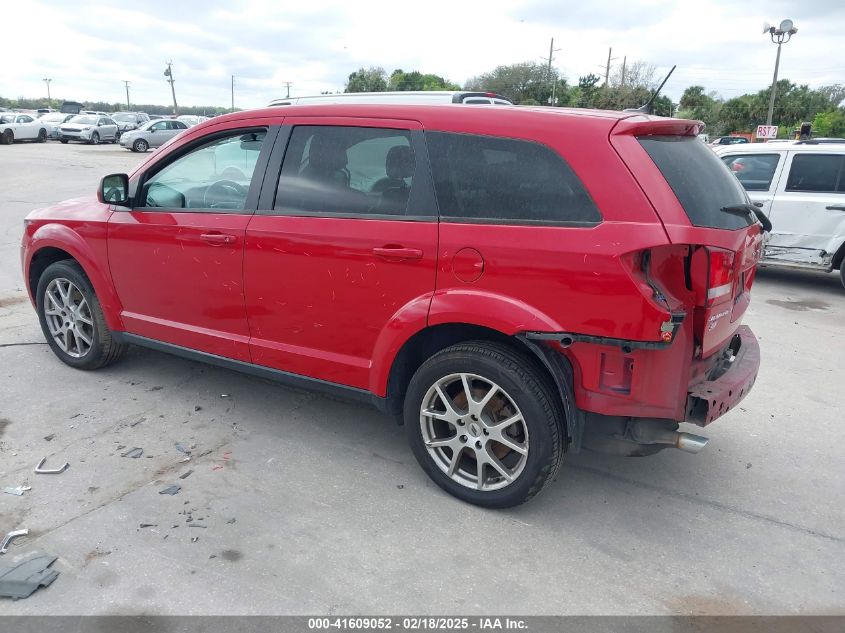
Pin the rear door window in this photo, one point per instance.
(505, 181)
(816, 172)
(754, 171)
(700, 181)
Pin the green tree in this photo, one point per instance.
(372, 79)
(527, 81)
(415, 80)
(830, 123)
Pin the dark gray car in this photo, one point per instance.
(151, 134)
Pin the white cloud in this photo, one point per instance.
(89, 48)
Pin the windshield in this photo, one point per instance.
(84, 118)
(146, 126)
(123, 117)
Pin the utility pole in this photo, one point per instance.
(49, 101)
(552, 51)
(288, 85)
(169, 74)
(624, 61)
(607, 67)
(233, 93)
(126, 82)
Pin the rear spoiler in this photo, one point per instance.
(644, 125)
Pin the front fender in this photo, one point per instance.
(66, 239)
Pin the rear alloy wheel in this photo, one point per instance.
(42, 135)
(95, 139)
(140, 145)
(64, 140)
(8, 137)
(484, 424)
(72, 320)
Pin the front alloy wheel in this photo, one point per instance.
(68, 317)
(485, 423)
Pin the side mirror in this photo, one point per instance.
(114, 189)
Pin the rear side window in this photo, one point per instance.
(701, 182)
(754, 171)
(816, 172)
(508, 181)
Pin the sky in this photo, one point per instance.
(89, 48)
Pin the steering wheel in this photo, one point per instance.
(224, 194)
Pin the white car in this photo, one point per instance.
(191, 119)
(53, 120)
(800, 186)
(18, 127)
(89, 128)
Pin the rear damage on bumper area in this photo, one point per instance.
(712, 393)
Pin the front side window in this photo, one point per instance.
(215, 175)
(815, 172)
(346, 170)
(754, 171)
(505, 180)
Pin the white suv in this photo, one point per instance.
(801, 187)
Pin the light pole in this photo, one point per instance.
(47, 81)
(781, 34)
(126, 82)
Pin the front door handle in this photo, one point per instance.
(217, 239)
(759, 205)
(397, 252)
(836, 207)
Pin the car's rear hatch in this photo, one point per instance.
(703, 209)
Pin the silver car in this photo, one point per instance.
(53, 121)
(89, 128)
(128, 121)
(151, 134)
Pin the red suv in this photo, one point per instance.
(511, 283)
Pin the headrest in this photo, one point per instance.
(326, 154)
(399, 162)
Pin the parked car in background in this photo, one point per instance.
(127, 121)
(71, 107)
(156, 117)
(511, 283)
(21, 127)
(53, 121)
(408, 97)
(191, 119)
(153, 133)
(89, 128)
(800, 186)
(728, 140)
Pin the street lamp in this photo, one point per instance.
(781, 34)
(47, 81)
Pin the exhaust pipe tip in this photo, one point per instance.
(691, 443)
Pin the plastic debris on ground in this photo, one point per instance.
(17, 491)
(21, 578)
(170, 490)
(134, 453)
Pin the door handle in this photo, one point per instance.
(217, 239)
(759, 205)
(836, 207)
(397, 252)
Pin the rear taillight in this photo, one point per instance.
(713, 275)
(722, 275)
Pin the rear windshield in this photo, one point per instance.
(701, 182)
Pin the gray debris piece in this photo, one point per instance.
(134, 453)
(170, 490)
(185, 475)
(146, 525)
(137, 422)
(49, 437)
(232, 520)
(198, 525)
(182, 449)
(17, 491)
(21, 579)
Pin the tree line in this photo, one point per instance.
(25, 103)
(630, 86)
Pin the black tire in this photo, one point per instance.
(525, 385)
(104, 349)
(95, 139)
(842, 271)
(140, 146)
(42, 135)
(8, 137)
(116, 137)
(64, 141)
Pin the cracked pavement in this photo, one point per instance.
(333, 515)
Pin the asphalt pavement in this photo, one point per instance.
(296, 503)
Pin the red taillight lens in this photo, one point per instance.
(722, 275)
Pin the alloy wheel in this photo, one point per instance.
(474, 431)
(68, 317)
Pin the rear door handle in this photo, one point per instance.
(836, 207)
(397, 252)
(217, 239)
